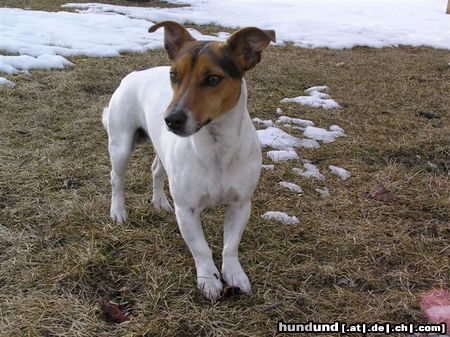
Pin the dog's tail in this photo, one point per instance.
(105, 118)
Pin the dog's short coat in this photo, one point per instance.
(195, 114)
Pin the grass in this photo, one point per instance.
(55, 5)
(61, 255)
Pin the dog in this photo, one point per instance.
(195, 114)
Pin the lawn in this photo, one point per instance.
(352, 258)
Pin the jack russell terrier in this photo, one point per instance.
(195, 114)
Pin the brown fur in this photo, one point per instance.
(205, 102)
(194, 61)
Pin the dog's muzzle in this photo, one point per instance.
(176, 121)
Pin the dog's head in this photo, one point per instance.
(206, 76)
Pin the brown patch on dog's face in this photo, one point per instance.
(206, 76)
(205, 80)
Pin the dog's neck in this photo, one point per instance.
(219, 141)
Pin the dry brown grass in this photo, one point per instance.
(60, 254)
(55, 5)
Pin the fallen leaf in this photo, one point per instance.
(381, 193)
(436, 306)
(113, 313)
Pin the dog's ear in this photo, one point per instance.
(247, 45)
(175, 36)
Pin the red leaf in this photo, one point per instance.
(113, 313)
(381, 193)
(436, 306)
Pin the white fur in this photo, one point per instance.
(220, 164)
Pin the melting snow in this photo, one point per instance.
(282, 155)
(268, 167)
(298, 121)
(341, 172)
(322, 134)
(313, 23)
(280, 140)
(264, 123)
(291, 186)
(16, 64)
(311, 171)
(324, 192)
(280, 216)
(102, 30)
(316, 98)
(7, 83)
(43, 39)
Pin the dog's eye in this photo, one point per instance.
(212, 80)
(173, 77)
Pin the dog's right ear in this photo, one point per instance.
(175, 36)
(247, 45)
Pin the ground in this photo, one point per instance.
(351, 258)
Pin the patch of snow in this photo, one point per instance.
(298, 121)
(44, 39)
(280, 140)
(341, 172)
(316, 98)
(278, 111)
(7, 83)
(322, 134)
(311, 171)
(315, 102)
(337, 128)
(313, 23)
(223, 35)
(265, 123)
(291, 186)
(268, 167)
(282, 155)
(16, 64)
(280, 216)
(324, 192)
(317, 88)
(289, 126)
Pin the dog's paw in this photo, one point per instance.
(160, 202)
(210, 286)
(118, 214)
(235, 277)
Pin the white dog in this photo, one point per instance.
(195, 114)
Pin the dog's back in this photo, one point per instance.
(139, 103)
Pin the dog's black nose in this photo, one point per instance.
(176, 121)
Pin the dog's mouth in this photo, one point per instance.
(185, 132)
(180, 133)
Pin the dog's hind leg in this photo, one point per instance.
(120, 149)
(236, 218)
(159, 198)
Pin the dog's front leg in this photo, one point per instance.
(236, 218)
(208, 277)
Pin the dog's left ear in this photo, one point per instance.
(175, 36)
(247, 45)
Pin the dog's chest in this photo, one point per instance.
(215, 181)
(219, 184)
(222, 195)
